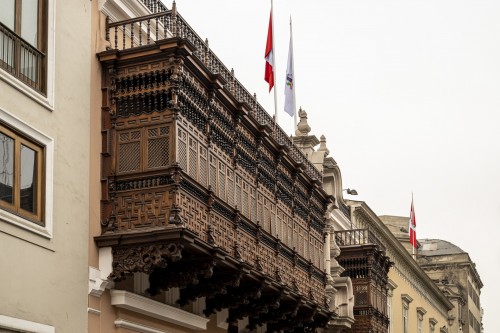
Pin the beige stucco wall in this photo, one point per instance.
(44, 280)
(404, 287)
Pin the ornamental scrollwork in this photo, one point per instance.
(145, 259)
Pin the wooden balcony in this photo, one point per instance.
(363, 258)
(201, 190)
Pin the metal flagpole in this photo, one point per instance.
(294, 80)
(274, 66)
(411, 222)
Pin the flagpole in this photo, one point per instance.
(274, 65)
(413, 212)
(294, 80)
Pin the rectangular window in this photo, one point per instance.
(419, 325)
(23, 41)
(405, 319)
(21, 175)
(389, 312)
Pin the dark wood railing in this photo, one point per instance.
(21, 59)
(357, 237)
(146, 30)
(155, 6)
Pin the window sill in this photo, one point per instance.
(24, 325)
(46, 101)
(16, 220)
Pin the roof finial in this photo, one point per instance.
(322, 145)
(303, 127)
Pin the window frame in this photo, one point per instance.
(46, 190)
(406, 300)
(15, 207)
(21, 47)
(46, 98)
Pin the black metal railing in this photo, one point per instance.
(146, 30)
(21, 59)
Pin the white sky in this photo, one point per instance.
(407, 95)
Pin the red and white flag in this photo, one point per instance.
(413, 226)
(269, 75)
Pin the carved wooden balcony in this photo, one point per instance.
(362, 255)
(201, 190)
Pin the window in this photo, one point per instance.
(23, 41)
(420, 318)
(406, 306)
(405, 319)
(21, 175)
(432, 325)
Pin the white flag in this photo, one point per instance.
(289, 89)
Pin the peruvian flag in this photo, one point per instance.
(413, 226)
(269, 75)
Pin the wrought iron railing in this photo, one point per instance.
(21, 59)
(357, 237)
(146, 30)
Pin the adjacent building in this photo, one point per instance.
(453, 271)
(44, 165)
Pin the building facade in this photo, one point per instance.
(455, 274)
(44, 154)
(414, 303)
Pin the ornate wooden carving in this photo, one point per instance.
(144, 258)
(365, 262)
(185, 147)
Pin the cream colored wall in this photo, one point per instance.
(45, 280)
(404, 287)
(101, 318)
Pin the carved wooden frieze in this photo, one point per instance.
(144, 259)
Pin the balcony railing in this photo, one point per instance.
(357, 237)
(146, 30)
(21, 59)
(155, 6)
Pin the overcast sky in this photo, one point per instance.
(407, 95)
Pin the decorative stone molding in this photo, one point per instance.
(406, 299)
(99, 277)
(21, 325)
(421, 312)
(97, 285)
(139, 304)
(136, 327)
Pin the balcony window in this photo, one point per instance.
(23, 36)
(21, 167)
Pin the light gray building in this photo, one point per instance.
(455, 273)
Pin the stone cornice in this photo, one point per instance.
(468, 265)
(136, 303)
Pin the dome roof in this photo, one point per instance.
(436, 247)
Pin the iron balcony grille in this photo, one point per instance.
(20, 59)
